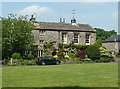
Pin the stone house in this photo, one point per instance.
(112, 44)
(62, 32)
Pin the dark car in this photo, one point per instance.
(47, 60)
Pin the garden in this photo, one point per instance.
(67, 54)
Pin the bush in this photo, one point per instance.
(14, 62)
(72, 56)
(106, 56)
(60, 54)
(29, 62)
(54, 53)
(55, 56)
(16, 56)
(30, 56)
(66, 57)
(105, 59)
(93, 52)
(75, 46)
(81, 54)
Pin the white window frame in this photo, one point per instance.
(76, 38)
(64, 38)
(41, 42)
(87, 39)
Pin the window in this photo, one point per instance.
(55, 44)
(41, 42)
(76, 38)
(87, 40)
(40, 53)
(42, 33)
(64, 38)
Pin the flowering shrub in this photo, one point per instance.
(55, 56)
(81, 54)
(106, 56)
(66, 56)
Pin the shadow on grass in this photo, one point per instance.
(74, 87)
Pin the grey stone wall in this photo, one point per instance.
(57, 36)
(93, 38)
(112, 46)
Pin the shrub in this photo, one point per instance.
(60, 54)
(14, 62)
(81, 54)
(72, 56)
(105, 59)
(55, 56)
(54, 53)
(30, 56)
(28, 62)
(66, 56)
(16, 56)
(106, 56)
(93, 52)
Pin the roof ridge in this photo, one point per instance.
(64, 23)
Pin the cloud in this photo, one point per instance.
(35, 10)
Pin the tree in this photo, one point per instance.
(101, 34)
(16, 35)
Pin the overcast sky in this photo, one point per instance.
(97, 14)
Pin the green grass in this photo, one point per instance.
(83, 75)
(0, 76)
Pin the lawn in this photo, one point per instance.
(83, 75)
(0, 76)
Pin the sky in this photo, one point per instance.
(96, 13)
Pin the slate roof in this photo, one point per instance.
(64, 26)
(113, 39)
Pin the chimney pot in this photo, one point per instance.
(60, 19)
(64, 20)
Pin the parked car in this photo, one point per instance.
(47, 60)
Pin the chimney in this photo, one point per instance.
(60, 20)
(73, 20)
(63, 20)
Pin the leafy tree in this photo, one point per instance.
(101, 34)
(16, 35)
